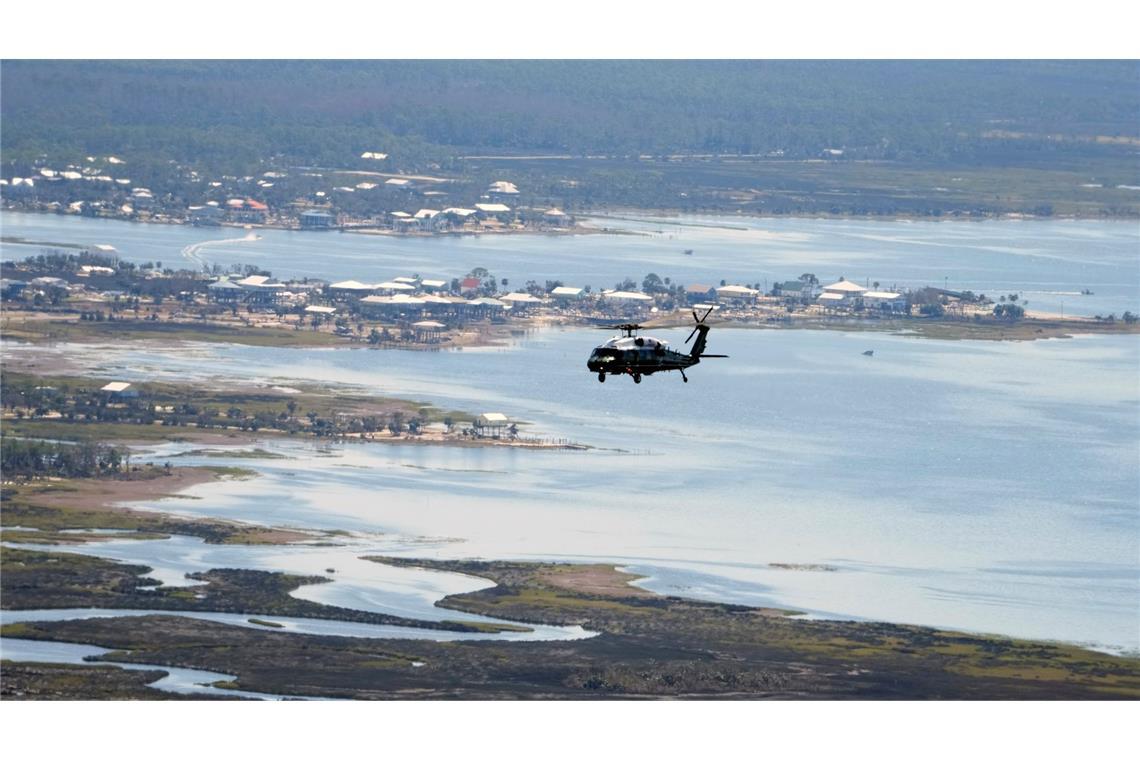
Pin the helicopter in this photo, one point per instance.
(631, 354)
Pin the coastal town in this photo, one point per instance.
(410, 309)
(351, 380)
(350, 200)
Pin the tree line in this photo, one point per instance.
(233, 115)
(32, 459)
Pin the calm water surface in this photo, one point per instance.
(983, 486)
(976, 485)
(1048, 262)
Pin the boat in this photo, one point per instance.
(688, 251)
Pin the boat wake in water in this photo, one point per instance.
(193, 252)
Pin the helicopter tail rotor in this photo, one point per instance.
(700, 321)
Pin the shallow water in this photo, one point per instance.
(975, 485)
(355, 583)
(1048, 262)
(177, 680)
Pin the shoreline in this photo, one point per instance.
(52, 327)
(45, 507)
(651, 645)
(648, 215)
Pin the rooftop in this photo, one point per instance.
(845, 286)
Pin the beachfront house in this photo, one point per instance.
(625, 302)
(350, 289)
(736, 294)
(497, 211)
(317, 220)
(119, 390)
(520, 302)
(206, 216)
(428, 331)
(700, 293)
(225, 291)
(492, 425)
(884, 301)
(556, 217)
(566, 293)
(795, 291)
(845, 289)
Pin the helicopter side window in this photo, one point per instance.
(604, 355)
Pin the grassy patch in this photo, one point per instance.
(231, 473)
(128, 329)
(240, 454)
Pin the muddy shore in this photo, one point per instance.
(649, 645)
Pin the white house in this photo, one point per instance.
(884, 301)
(120, 390)
(737, 294)
(351, 288)
(846, 289)
(564, 293)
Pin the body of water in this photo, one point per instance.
(989, 486)
(177, 680)
(985, 486)
(1049, 263)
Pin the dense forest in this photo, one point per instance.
(234, 116)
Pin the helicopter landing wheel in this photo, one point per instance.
(601, 377)
(684, 378)
(637, 378)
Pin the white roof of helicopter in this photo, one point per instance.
(624, 342)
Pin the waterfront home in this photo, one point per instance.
(119, 390)
(453, 217)
(492, 425)
(487, 211)
(394, 286)
(845, 289)
(428, 331)
(261, 290)
(225, 291)
(350, 289)
(736, 294)
(884, 301)
(700, 291)
(206, 216)
(317, 220)
(566, 293)
(625, 302)
(391, 306)
(556, 217)
(795, 290)
(520, 302)
(832, 301)
(425, 217)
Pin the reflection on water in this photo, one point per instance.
(976, 485)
